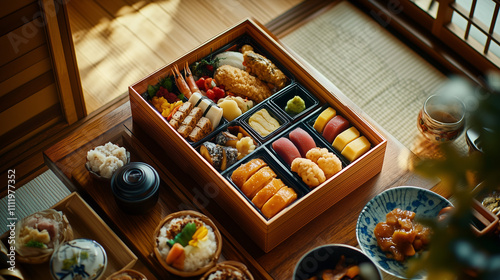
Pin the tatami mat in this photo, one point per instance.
(379, 73)
(39, 194)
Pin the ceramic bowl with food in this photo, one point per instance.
(187, 243)
(79, 258)
(103, 161)
(40, 234)
(336, 261)
(422, 202)
(127, 274)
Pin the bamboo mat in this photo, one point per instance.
(379, 73)
(38, 194)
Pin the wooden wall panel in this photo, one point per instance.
(24, 77)
(21, 41)
(35, 62)
(10, 6)
(25, 61)
(28, 108)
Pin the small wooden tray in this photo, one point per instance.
(86, 224)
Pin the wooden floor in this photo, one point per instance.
(118, 42)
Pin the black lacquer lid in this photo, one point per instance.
(135, 181)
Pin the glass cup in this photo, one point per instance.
(442, 118)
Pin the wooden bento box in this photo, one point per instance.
(266, 233)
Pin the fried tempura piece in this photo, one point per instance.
(241, 83)
(309, 171)
(327, 161)
(261, 67)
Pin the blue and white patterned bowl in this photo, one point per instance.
(423, 202)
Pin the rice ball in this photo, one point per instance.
(109, 166)
(96, 159)
(120, 153)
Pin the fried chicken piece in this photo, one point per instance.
(261, 67)
(309, 171)
(327, 161)
(241, 83)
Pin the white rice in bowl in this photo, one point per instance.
(106, 159)
(196, 257)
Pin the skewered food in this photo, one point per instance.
(302, 140)
(257, 181)
(334, 127)
(261, 67)
(326, 161)
(263, 123)
(356, 148)
(241, 83)
(284, 197)
(323, 118)
(309, 171)
(344, 138)
(286, 150)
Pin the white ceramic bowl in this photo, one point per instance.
(423, 202)
(79, 259)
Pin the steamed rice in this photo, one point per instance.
(106, 159)
(196, 257)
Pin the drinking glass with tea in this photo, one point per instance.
(442, 118)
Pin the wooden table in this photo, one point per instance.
(179, 192)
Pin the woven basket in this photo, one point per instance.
(65, 234)
(204, 219)
(229, 265)
(136, 275)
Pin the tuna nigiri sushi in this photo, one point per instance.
(286, 150)
(302, 140)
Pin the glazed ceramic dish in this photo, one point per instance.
(79, 259)
(425, 203)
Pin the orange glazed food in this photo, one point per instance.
(400, 236)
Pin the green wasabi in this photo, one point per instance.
(295, 105)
